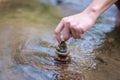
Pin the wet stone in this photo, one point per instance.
(62, 53)
(63, 60)
(62, 47)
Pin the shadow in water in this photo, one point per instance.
(111, 45)
(108, 58)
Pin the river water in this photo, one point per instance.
(27, 43)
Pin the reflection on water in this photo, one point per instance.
(27, 42)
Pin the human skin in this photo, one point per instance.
(75, 25)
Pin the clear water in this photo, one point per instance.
(27, 41)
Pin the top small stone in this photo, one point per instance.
(62, 47)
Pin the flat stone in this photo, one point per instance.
(63, 60)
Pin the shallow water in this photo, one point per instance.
(27, 42)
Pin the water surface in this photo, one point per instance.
(27, 43)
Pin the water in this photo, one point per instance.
(27, 42)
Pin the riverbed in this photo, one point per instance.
(27, 43)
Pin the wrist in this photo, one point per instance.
(97, 7)
(93, 12)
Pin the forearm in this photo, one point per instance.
(97, 7)
(75, 25)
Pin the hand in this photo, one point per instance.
(74, 26)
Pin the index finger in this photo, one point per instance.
(58, 30)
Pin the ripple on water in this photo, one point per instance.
(38, 57)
